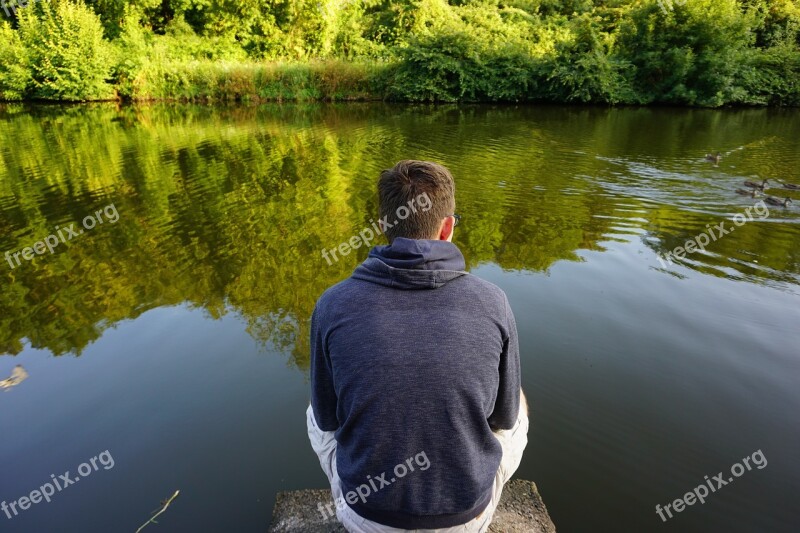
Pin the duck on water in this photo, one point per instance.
(790, 186)
(775, 201)
(755, 185)
(753, 193)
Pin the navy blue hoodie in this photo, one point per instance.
(414, 358)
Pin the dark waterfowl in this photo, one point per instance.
(771, 200)
(791, 186)
(748, 192)
(754, 185)
(714, 158)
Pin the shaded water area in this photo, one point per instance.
(176, 336)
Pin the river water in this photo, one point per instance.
(169, 325)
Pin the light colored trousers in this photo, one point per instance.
(513, 442)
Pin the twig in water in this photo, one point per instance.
(166, 504)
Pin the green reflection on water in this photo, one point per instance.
(229, 209)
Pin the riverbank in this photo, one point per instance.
(393, 81)
(206, 81)
(637, 53)
(343, 81)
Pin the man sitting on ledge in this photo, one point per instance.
(416, 412)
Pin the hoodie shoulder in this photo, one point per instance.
(336, 293)
(485, 286)
(493, 299)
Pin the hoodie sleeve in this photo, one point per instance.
(323, 395)
(506, 407)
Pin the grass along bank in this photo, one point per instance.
(207, 81)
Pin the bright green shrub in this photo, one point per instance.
(14, 73)
(67, 55)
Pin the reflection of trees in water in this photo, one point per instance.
(228, 210)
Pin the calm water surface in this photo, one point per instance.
(176, 337)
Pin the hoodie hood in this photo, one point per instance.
(412, 264)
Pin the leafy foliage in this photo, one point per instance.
(66, 55)
(697, 52)
(14, 72)
(583, 69)
(686, 55)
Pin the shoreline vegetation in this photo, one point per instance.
(706, 53)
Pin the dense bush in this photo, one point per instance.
(14, 73)
(583, 70)
(470, 53)
(689, 55)
(771, 77)
(455, 67)
(63, 48)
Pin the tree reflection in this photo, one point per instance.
(227, 210)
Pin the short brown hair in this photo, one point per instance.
(405, 183)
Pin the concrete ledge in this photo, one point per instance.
(521, 510)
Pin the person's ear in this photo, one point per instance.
(446, 230)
